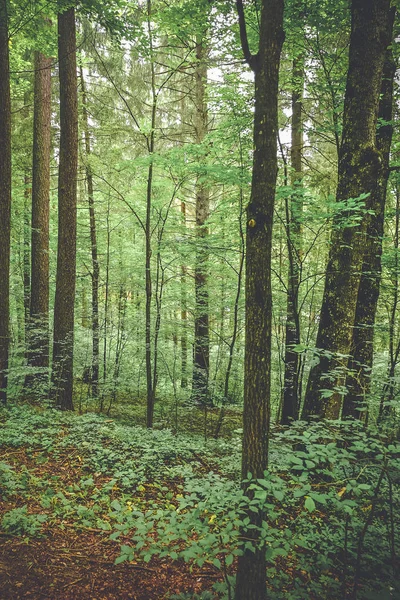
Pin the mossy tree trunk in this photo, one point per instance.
(360, 169)
(251, 574)
(5, 199)
(360, 365)
(63, 348)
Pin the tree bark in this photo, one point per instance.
(358, 378)
(250, 582)
(360, 168)
(5, 199)
(62, 370)
(38, 356)
(201, 355)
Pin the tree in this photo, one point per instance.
(358, 377)
(38, 353)
(5, 199)
(257, 367)
(63, 345)
(201, 354)
(359, 170)
(291, 392)
(95, 274)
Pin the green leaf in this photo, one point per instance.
(217, 563)
(229, 559)
(116, 505)
(309, 504)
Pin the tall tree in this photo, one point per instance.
(62, 368)
(291, 399)
(38, 354)
(201, 355)
(250, 583)
(362, 345)
(95, 275)
(5, 199)
(359, 170)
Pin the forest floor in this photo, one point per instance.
(92, 508)
(73, 562)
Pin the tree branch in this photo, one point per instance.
(249, 57)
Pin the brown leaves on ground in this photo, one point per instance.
(78, 563)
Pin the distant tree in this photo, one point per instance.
(360, 167)
(5, 199)
(251, 574)
(63, 348)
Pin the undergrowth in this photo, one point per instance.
(330, 498)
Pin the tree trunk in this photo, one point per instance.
(184, 341)
(360, 365)
(250, 582)
(27, 256)
(360, 168)
(93, 245)
(201, 354)
(38, 357)
(5, 199)
(149, 292)
(291, 399)
(62, 371)
(388, 392)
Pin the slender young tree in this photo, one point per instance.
(250, 582)
(95, 275)
(184, 340)
(362, 344)
(63, 348)
(5, 199)
(360, 167)
(38, 354)
(201, 354)
(291, 399)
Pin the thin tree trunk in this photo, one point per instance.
(394, 349)
(235, 320)
(93, 245)
(150, 146)
(106, 305)
(292, 360)
(358, 378)
(251, 573)
(39, 295)
(5, 200)
(358, 174)
(201, 354)
(62, 370)
(27, 256)
(184, 342)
